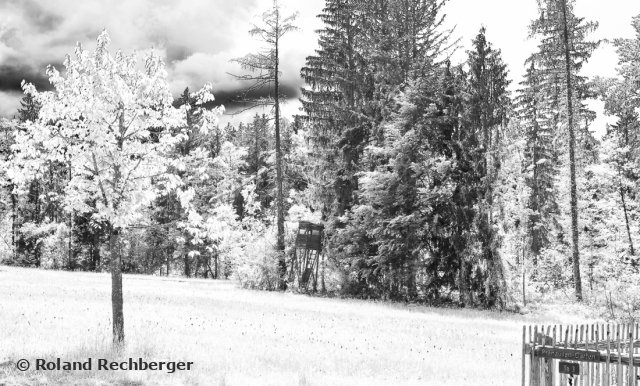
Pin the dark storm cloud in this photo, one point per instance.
(11, 77)
(198, 39)
(176, 53)
(237, 98)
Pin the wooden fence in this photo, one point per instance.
(586, 355)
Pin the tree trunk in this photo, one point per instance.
(215, 266)
(36, 219)
(210, 270)
(116, 264)
(96, 251)
(282, 264)
(14, 223)
(412, 289)
(496, 284)
(70, 262)
(572, 161)
(187, 268)
(626, 221)
(195, 273)
(116, 290)
(463, 284)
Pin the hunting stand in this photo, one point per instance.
(307, 255)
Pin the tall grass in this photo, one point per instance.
(243, 337)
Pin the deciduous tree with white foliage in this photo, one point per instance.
(111, 119)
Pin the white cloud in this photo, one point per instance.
(200, 37)
(9, 103)
(200, 68)
(507, 23)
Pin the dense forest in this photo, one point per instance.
(435, 181)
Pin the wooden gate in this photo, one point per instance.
(586, 355)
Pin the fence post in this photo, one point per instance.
(524, 352)
(619, 366)
(630, 372)
(566, 342)
(607, 367)
(547, 362)
(553, 361)
(597, 366)
(532, 344)
(580, 341)
(588, 364)
(635, 351)
(536, 368)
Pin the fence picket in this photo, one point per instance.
(566, 341)
(587, 378)
(635, 351)
(619, 365)
(532, 358)
(630, 367)
(553, 344)
(548, 362)
(524, 351)
(592, 366)
(607, 366)
(598, 374)
(582, 336)
(625, 369)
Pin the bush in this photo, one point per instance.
(257, 263)
(55, 247)
(618, 299)
(554, 270)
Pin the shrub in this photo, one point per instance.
(257, 264)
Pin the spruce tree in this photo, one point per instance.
(264, 73)
(540, 162)
(385, 233)
(621, 96)
(487, 104)
(28, 247)
(338, 85)
(563, 49)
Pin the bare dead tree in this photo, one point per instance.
(264, 75)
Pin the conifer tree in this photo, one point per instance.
(264, 68)
(337, 77)
(563, 50)
(540, 163)
(622, 99)
(487, 104)
(30, 211)
(259, 141)
(410, 122)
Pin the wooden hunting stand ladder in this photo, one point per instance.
(586, 355)
(307, 255)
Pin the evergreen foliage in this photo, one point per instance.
(432, 184)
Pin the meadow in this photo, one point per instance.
(242, 337)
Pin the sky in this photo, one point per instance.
(198, 38)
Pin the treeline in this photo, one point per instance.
(434, 182)
(230, 167)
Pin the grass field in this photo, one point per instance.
(240, 337)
